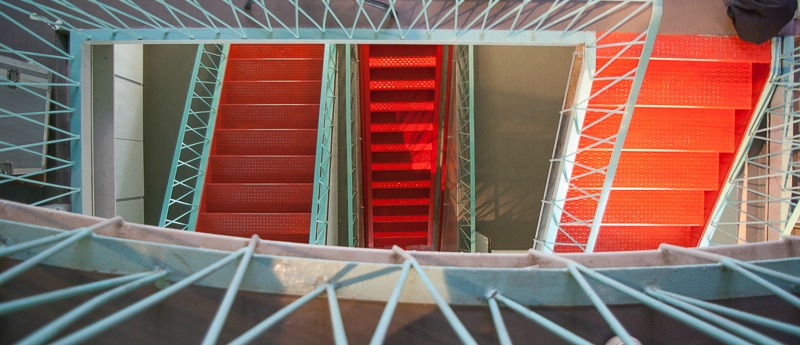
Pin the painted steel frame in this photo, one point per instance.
(352, 132)
(322, 166)
(562, 23)
(190, 161)
(731, 216)
(465, 147)
(383, 275)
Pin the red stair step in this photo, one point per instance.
(651, 170)
(273, 69)
(261, 169)
(400, 218)
(300, 51)
(401, 147)
(680, 129)
(293, 227)
(268, 116)
(402, 166)
(680, 83)
(265, 142)
(673, 207)
(402, 62)
(402, 184)
(401, 127)
(258, 198)
(690, 47)
(402, 84)
(271, 92)
(401, 106)
(625, 238)
(395, 202)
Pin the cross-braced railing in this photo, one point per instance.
(353, 130)
(324, 156)
(447, 280)
(760, 197)
(188, 171)
(465, 148)
(598, 93)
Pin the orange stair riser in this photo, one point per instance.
(642, 207)
(261, 169)
(650, 170)
(265, 142)
(258, 51)
(690, 47)
(277, 69)
(267, 226)
(619, 238)
(243, 116)
(680, 83)
(689, 129)
(243, 198)
(271, 92)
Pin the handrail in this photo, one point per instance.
(190, 159)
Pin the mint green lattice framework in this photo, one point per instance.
(30, 25)
(187, 175)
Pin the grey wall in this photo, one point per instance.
(167, 73)
(518, 94)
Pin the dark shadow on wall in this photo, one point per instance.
(167, 74)
(519, 92)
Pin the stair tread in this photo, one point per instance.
(401, 127)
(398, 234)
(402, 184)
(398, 202)
(402, 61)
(424, 218)
(401, 106)
(421, 84)
(401, 166)
(401, 147)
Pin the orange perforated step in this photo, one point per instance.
(268, 116)
(689, 47)
(290, 227)
(261, 169)
(265, 142)
(274, 69)
(650, 170)
(680, 83)
(678, 129)
(272, 51)
(271, 92)
(642, 207)
(625, 238)
(257, 198)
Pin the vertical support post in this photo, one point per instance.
(466, 149)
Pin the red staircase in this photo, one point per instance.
(261, 166)
(400, 122)
(697, 99)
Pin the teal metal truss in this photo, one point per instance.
(353, 134)
(465, 148)
(180, 260)
(526, 22)
(760, 197)
(187, 174)
(325, 146)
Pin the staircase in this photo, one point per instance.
(261, 167)
(697, 99)
(400, 114)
